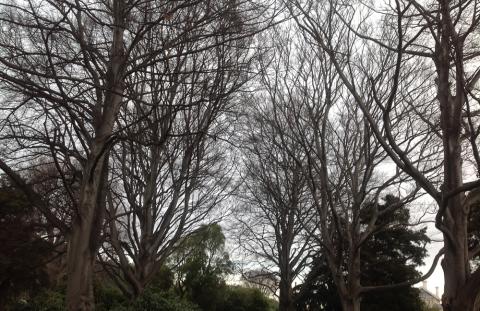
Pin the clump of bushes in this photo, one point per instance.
(240, 298)
(109, 298)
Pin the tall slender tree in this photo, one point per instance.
(275, 207)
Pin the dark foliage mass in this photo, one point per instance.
(23, 252)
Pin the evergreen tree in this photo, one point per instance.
(390, 256)
(200, 263)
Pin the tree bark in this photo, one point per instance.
(452, 218)
(351, 301)
(86, 228)
(351, 304)
(286, 297)
(79, 270)
(349, 290)
(84, 240)
(468, 296)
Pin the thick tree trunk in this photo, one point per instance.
(84, 239)
(467, 298)
(286, 297)
(350, 297)
(79, 270)
(349, 291)
(452, 218)
(455, 263)
(351, 304)
(454, 222)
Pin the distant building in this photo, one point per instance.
(430, 299)
(264, 280)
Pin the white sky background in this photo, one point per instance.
(437, 277)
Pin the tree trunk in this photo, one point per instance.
(84, 239)
(468, 297)
(79, 269)
(349, 292)
(286, 297)
(452, 218)
(351, 304)
(351, 297)
(286, 294)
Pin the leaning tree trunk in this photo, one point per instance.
(86, 228)
(88, 221)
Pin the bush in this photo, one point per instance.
(108, 297)
(162, 301)
(246, 299)
(47, 300)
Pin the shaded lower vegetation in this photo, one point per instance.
(108, 297)
(193, 278)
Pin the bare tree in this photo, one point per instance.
(343, 166)
(64, 72)
(170, 170)
(275, 206)
(439, 36)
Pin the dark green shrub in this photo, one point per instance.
(239, 298)
(162, 301)
(46, 300)
(108, 297)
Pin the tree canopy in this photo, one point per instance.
(132, 133)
